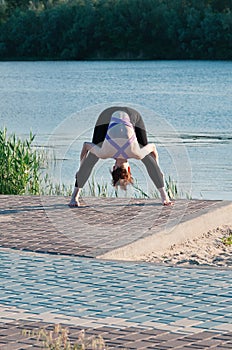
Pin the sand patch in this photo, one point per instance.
(6, 218)
(208, 249)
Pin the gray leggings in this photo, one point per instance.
(99, 134)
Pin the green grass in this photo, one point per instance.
(103, 189)
(49, 188)
(96, 189)
(227, 240)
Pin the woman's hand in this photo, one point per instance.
(155, 153)
(84, 151)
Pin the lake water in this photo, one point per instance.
(186, 107)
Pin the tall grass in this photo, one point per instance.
(171, 188)
(96, 189)
(20, 165)
(50, 188)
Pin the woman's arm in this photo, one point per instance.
(84, 151)
(150, 148)
(90, 147)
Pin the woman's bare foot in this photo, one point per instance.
(74, 203)
(165, 198)
(168, 203)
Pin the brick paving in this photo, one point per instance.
(49, 274)
(47, 224)
(11, 335)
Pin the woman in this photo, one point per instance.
(120, 134)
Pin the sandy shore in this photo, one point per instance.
(206, 250)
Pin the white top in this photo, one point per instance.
(121, 141)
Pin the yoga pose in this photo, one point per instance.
(120, 134)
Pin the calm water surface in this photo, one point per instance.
(186, 106)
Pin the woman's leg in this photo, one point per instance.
(99, 135)
(154, 171)
(89, 162)
(156, 176)
(81, 177)
(149, 161)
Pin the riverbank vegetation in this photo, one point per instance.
(20, 165)
(115, 29)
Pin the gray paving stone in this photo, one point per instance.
(64, 287)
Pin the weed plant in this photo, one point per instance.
(228, 240)
(58, 339)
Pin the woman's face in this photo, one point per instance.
(126, 166)
(125, 182)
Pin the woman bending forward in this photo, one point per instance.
(121, 143)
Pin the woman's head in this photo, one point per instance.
(121, 176)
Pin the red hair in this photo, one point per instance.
(121, 177)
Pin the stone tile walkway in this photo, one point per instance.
(49, 274)
(47, 224)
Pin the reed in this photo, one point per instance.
(171, 188)
(20, 165)
(99, 189)
(49, 188)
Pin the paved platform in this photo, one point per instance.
(54, 269)
(107, 227)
